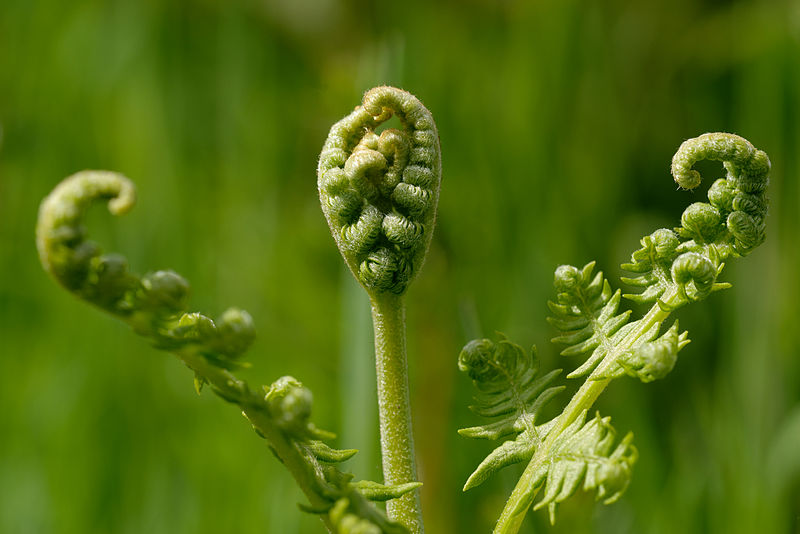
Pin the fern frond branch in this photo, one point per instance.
(154, 306)
(311, 481)
(525, 491)
(675, 267)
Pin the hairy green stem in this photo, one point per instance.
(397, 441)
(522, 497)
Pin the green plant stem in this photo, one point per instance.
(254, 408)
(397, 441)
(522, 497)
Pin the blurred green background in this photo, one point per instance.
(557, 121)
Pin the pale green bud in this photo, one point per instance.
(164, 291)
(290, 404)
(701, 222)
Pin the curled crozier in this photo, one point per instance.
(379, 191)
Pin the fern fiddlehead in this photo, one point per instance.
(379, 194)
(673, 267)
(154, 305)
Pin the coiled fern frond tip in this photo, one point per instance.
(379, 191)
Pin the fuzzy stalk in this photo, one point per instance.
(394, 408)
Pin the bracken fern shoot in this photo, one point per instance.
(673, 267)
(379, 195)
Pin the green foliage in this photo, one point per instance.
(586, 312)
(684, 264)
(154, 305)
(379, 195)
(218, 109)
(505, 375)
(674, 268)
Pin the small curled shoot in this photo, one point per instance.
(379, 192)
(746, 166)
(61, 237)
(651, 359)
(734, 220)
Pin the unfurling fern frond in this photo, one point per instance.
(155, 305)
(586, 452)
(586, 312)
(652, 359)
(505, 375)
(672, 273)
(672, 268)
(676, 267)
(379, 192)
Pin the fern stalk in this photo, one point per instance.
(394, 409)
(379, 194)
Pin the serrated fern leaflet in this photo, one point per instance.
(509, 391)
(586, 313)
(586, 453)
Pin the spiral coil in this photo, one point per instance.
(379, 191)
